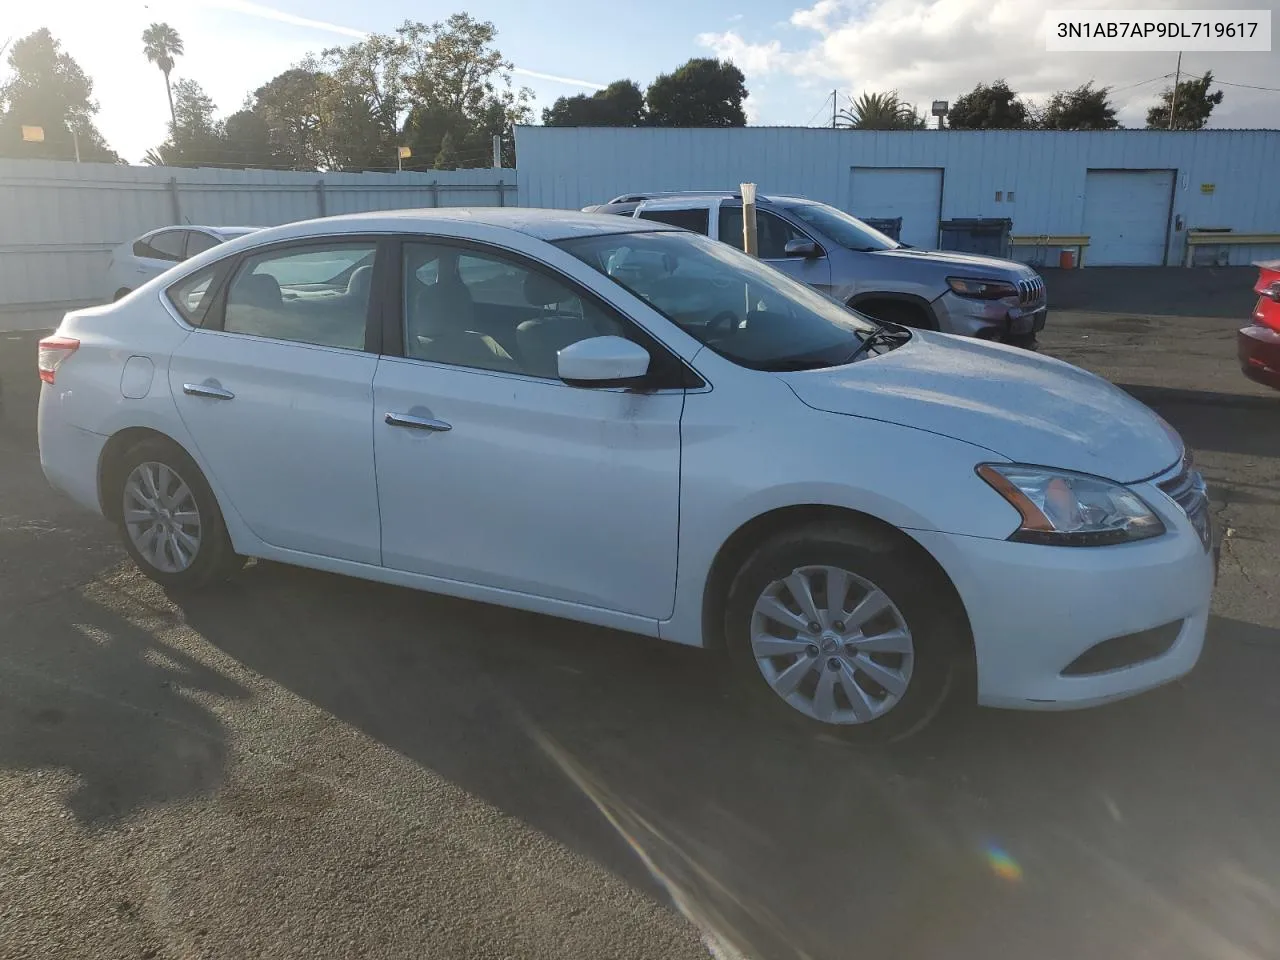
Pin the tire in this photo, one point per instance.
(873, 561)
(121, 294)
(893, 311)
(175, 564)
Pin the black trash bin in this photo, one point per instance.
(891, 228)
(984, 235)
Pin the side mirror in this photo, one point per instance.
(802, 248)
(602, 362)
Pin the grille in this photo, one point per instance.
(1187, 490)
(1030, 291)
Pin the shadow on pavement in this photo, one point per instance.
(994, 834)
(84, 691)
(1225, 422)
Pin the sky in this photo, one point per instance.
(794, 54)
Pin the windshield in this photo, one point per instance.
(741, 308)
(839, 226)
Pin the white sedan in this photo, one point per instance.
(631, 425)
(133, 264)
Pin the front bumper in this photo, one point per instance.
(1034, 610)
(1258, 348)
(989, 319)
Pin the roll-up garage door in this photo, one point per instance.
(912, 193)
(1126, 216)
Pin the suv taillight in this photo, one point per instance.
(51, 352)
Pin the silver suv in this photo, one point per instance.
(840, 255)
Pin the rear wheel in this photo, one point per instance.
(169, 519)
(122, 292)
(838, 629)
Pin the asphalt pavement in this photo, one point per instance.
(301, 765)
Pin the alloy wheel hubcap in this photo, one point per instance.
(832, 645)
(161, 517)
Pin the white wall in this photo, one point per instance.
(59, 220)
(572, 167)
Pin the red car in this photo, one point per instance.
(1259, 344)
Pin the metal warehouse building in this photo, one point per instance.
(1134, 196)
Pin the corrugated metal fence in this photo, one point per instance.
(59, 220)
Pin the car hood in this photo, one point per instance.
(962, 261)
(1018, 404)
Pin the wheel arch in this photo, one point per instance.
(734, 552)
(120, 443)
(915, 301)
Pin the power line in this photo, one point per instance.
(1246, 86)
(1140, 83)
(821, 109)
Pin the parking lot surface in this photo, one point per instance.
(300, 765)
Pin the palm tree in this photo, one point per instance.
(881, 111)
(161, 43)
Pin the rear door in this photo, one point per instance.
(276, 391)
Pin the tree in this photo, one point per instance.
(1191, 107)
(49, 90)
(881, 111)
(1083, 108)
(294, 106)
(621, 104)
(196, 137)
(701, 93)
(459, 83)
(447, 157)
(993, 107)
(161, 44)
(247, 141)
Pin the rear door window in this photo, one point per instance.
(199, 242)
(165, 245)
(696, 220)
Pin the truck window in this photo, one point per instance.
(696, 220)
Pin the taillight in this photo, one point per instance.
(50, 354)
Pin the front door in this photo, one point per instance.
(491, 471)
(276, 391)
(772, 235)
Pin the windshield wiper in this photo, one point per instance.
(881, 334)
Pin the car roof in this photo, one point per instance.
(222, 231)
(537, 223)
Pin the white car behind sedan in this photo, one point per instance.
(625, 424)
(133, 264)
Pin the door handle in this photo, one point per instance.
(416, 423)
(207, 391)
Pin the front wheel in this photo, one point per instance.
(838, 628)
(169, 519)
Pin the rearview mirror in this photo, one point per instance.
(802, 248)
(602, 362)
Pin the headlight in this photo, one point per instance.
(1070, 509)
(982, 289)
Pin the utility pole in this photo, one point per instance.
(1173, 102)
(497, 151)
(75, 139)
(834, 104)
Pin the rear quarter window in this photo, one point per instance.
(696, 220)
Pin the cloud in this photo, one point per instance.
(938, 49)
(818, 16)
(753, 59)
